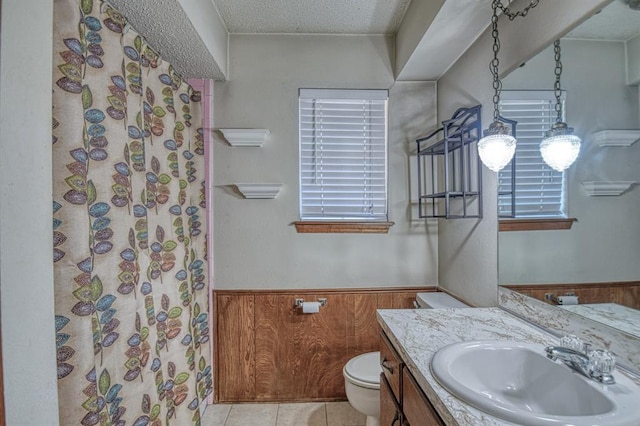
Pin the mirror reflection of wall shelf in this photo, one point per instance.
(616, 137)
(259, 190)
(245, 137)
(604, 188)
(449, 168)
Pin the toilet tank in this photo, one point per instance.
(437, 300)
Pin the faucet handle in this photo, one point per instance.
(601, 365)
(572, 342)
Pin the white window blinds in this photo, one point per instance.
(343, 154)
(539, 190)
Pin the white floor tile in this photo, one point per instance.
(302, 414)
(216, 415)
(343, 414)
(252, 415)
(295, 414)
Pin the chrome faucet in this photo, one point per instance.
(596, 365)
(572, 358)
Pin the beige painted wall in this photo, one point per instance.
(26, 257)
(468, 248)
(255, 245)
(604, 244)
(633, 60)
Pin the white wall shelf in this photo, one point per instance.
(259, 190)
(601, 188)
(616, 137)
(245, 137)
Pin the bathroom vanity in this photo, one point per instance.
(410, 338)
(401, 400)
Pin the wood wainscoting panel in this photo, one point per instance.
(235, 347)
(269, 351)
(626, 293)
(399, 300)
(268, 344)
(362, 328)
(320, 348)
(296, 345)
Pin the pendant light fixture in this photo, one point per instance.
(560, 147)
(497, 146)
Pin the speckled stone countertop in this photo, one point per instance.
(611, 314)
(418, 333)
(625, 346)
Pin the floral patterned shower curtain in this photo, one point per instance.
(129, 227)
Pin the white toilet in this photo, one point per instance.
(362, 385)
(437, 300)
(362, 373)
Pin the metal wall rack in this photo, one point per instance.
(449, 168)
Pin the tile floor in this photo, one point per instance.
(299, 414)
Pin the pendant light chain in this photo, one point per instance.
(560, 147)
(513, 15)
(495, 62)
(557, 91)
(497, 145)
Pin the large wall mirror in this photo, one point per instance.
(598, 259)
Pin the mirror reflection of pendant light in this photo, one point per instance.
(560, 147)
(497, 146)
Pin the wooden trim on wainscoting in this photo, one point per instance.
(505, 225)
(330, 290)
(324, 227)
(572, 286)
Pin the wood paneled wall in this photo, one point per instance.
(625, 293)
(267, 350)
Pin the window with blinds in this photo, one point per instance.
(539, 190)
(343, 154)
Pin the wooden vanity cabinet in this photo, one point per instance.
(391, 365)
(390, 412)
(402, 402)
(390, 385)
(416, 408)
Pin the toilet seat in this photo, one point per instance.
(364, 370)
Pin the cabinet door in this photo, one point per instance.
(391, 365)
(417, 409)
(389, 410)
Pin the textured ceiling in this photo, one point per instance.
(169, 31)
(616, 22)
(312, 16)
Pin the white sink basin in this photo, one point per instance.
(518, 383)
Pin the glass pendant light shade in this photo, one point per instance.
(560, 147)
(497, 146)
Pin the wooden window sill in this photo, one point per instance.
(505, 225)
(322, 227)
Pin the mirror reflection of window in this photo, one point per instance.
(539, 189)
